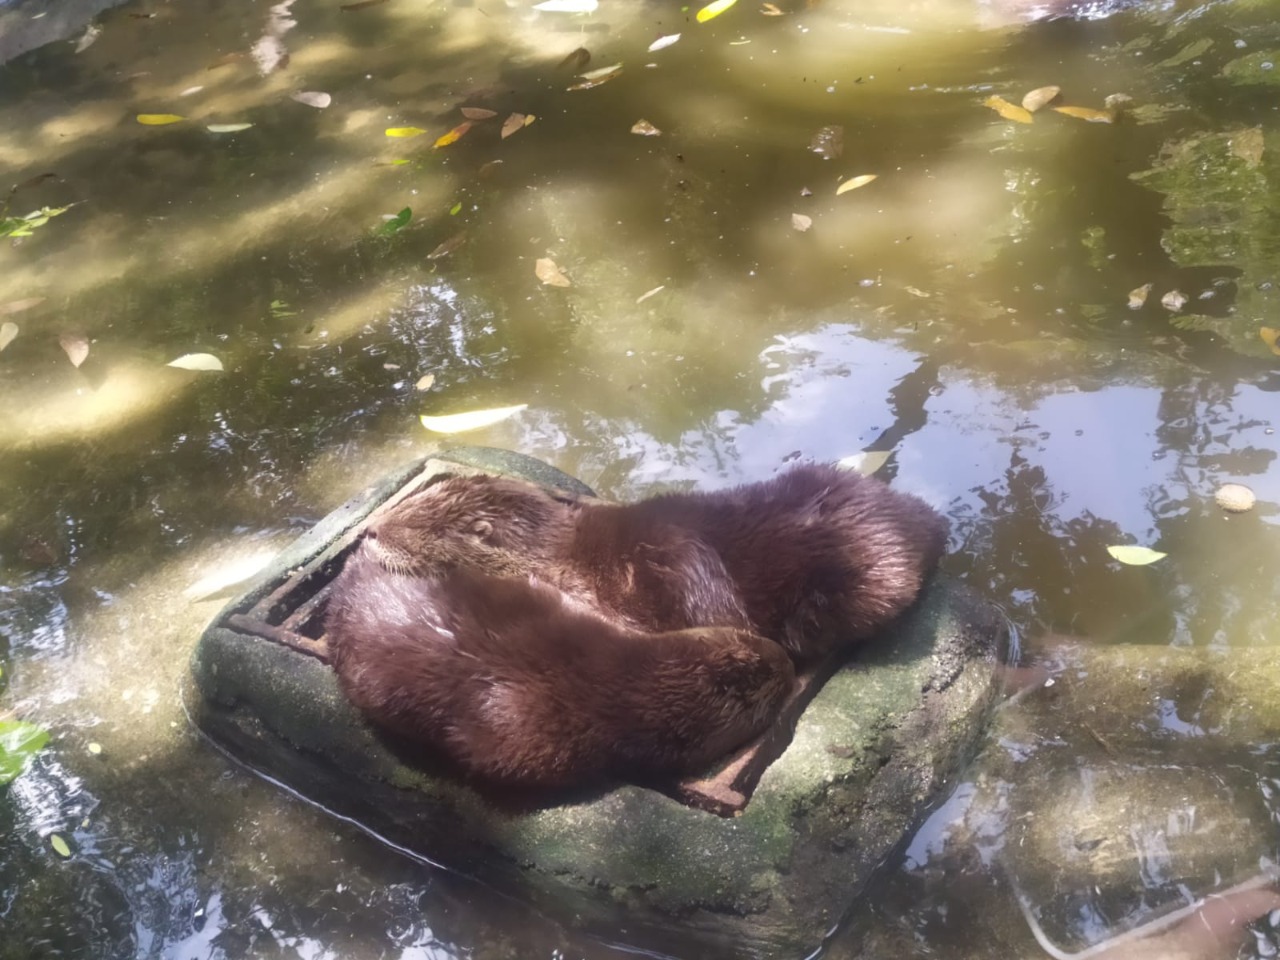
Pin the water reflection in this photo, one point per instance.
(967, 311)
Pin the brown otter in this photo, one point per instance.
(812, 559)
(520, 689)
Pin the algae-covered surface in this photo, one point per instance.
(874, 749)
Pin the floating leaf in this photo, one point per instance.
(453, 136)
(9, 330)
(714, 9)
(225, 59)
(489, 169)
(75, 346)
(567, 6)
(1248, 145)
(395, 222)
(87, 38)
(663, 42)
(474, 420)
(575, 59)
(1087, 113)
(159, 119)
(866, 463)
(547, 271)
(228, 576)
(645, 129)
(1136, 556)
(360, 5)
(59, 846)
(1010, 111)
(191, 90)
(1174, 300)
(313, 98)
(455, 209)
(196, 361)
(478, 113)
(853, 183)
(17, 306)
(450, 245)
(828, 142)
(513, 123)
(227, 127)
(770, 10)
(1269, 336)
(426, 382)
(1138, 296)
(1040, 97)
(19, 741)
(649, 293)
(800, 222)
(95, 748)
(593, 78)
(403, 132)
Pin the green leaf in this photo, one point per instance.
(59, 845)
(1136, 556)
(398, 222)
(18, 742)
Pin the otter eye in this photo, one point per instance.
(371, 534)
(482, 528)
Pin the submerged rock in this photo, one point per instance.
(875, 747)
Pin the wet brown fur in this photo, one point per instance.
(813, 558)
(506, 679)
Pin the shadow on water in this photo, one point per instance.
(967, 311)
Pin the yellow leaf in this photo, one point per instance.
(196, 361)
(8, 330)
(159, 119)
(1136, 556)
(547, 271)
(405, 131)
(1138, 296)
(1010, 111)
(1087, 113)
(59, 845)
(1040, 97)
(853, 183)
(453, 136)
(714, 9)
(1269, 336)
(472, 420)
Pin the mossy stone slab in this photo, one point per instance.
(875, 748)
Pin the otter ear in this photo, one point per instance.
(482, 529)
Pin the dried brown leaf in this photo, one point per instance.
(800, 222)
(478, 113)
(575, 60)
(17, 306)
(645, 129)
(450, 245)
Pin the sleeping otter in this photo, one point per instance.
(812, 559)
(520, 689)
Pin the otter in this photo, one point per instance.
(813, 559)
(510, 682)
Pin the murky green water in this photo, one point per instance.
(968, 310)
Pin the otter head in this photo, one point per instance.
(493, 524)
